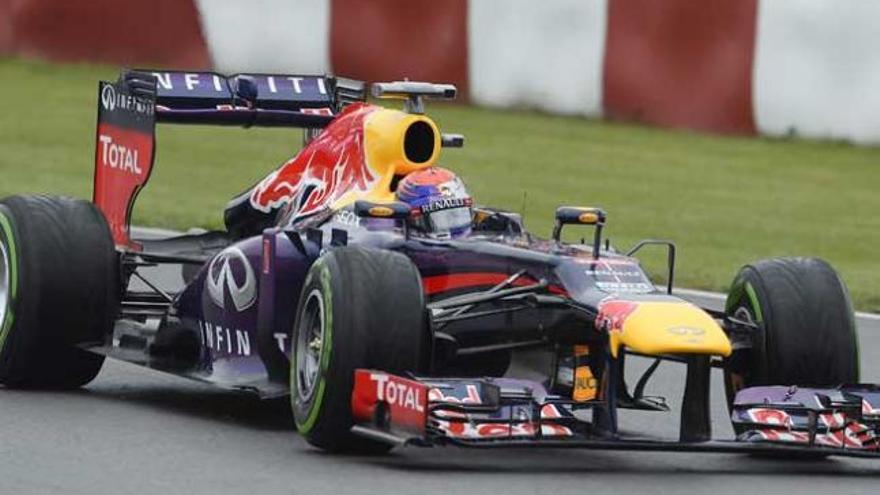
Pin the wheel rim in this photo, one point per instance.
(309, 346)
(4, 284)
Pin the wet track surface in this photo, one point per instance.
(139, 431)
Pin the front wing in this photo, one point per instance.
(499, 412)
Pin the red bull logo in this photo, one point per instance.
(612, 315)
(330, 166)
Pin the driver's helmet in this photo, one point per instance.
(442, 207)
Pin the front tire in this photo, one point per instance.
(806, 333)
(59, 287)
(359, 308)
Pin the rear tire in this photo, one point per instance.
(59, 269)
(359, 308)
(806, 332)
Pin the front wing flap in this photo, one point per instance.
(847, 417)
(453, 410)
(501, 412)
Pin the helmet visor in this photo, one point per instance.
(449, 220)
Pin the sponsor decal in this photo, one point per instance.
(588, 218)
(471, 396)
(585, 384)
(272, 86)
(229, 108)
(381, 211)
(118, 156)
(452, 189)
(231, 273)
(624, 287)
(347, 217)
(282, 339)
(690, 335)
(225, 340)
(397, 392)
(317, 111)
(404, 399)
(613, 314)
(112, 99)
(330, 166)
(123, 159)
(445, 204)
(619, 277)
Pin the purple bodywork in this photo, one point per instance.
(248, 347)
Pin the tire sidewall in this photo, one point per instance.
(374, 318)
(306, 414)
(805, 332)
(64, 291)
(8, 237)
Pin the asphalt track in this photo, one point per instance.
(139, 431)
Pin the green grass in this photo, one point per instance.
(724, 200)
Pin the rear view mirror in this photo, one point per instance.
(370, 209)
(581, 215)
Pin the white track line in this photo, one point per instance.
(716, 296)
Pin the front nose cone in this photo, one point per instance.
(662, 327)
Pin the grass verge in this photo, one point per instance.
(724, 200)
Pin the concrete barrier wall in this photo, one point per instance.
(528, 55)
(681, 63)
(392, 39)
(166, 32)
(808, 67)
(817, 69)
(267, 35)
(6, 45)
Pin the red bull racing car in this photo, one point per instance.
(361, 279)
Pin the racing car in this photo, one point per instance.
(361, 280)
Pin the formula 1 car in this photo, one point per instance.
(323, 289)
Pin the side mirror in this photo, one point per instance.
(396, 209)
(370, 209)
(581, 215)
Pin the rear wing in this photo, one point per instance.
(244, 99)
(129, 109)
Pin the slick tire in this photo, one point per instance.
(359, 308)
(806, 333)
(59, 287)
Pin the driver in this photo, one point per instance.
(442, 207)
